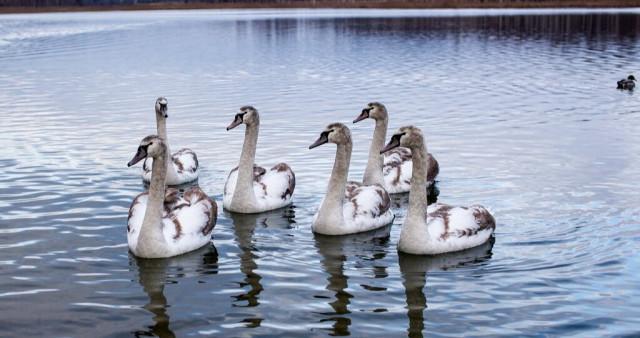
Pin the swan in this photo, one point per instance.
(437, 228)
(397, 163)
(250, 188)
(348, 207)
(628, 83)
(162, 223)
(183, 165)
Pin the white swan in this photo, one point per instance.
(250, 188)
(438, 228)
(397, 163)
(161, 222)
(348, 207)
(183, 165)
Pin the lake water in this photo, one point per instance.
(519, 107)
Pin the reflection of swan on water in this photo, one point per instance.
(371, 245)
(244, 226)
(414, 270)
(153, 275)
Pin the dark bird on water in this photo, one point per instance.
(628, 83)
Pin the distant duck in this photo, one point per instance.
(628, 83)
(250, 188)
(162, 223)
(397, 163)
(348, 207)
(438, 228)
(183, 165)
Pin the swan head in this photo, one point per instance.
(150, 146)
(246, 115)
(374, 110)
(161, 107)
(336, 133)
(408, 136)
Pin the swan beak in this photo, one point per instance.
(364, 115)
(394, 143)
(324, 138)
(236, 122)
(140, 154)
(163, 110)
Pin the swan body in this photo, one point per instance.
(438, 228)
(183, 165)
(251, 188)
(628, 83)
(162, 223)
(348, 207)
(397, 163)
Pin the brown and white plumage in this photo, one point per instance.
(162, 222)
(348, 207)
(397, 163)
(438, 228)
(249, 187)
(183, 165)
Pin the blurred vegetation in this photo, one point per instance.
(61, 5)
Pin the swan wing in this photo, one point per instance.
(232, 179)
(398, 167)
(230, 185)
(190, 222)
(136, 216)
(458, 228)
(433, 169)
(368, 207)
(275, 186)
(146, 169)
(397, 176)
(185, 163)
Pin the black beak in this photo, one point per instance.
(393, 143)
(324, 138)
(163, 110)
(364, 115)
(140, 154)
(236, 122)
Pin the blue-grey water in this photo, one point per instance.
(519, 107)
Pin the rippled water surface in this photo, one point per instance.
(519, 107)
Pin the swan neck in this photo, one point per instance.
(161, 123)
(244, 184)
(417, 212)
(373, 171)
(333, 201)
(151, 235)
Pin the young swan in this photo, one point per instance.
(397, 163)
(438, 228)
(628, 83)
(183, 165)
(161, 222)
(348, 207)
(250, 188)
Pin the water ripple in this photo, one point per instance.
(518, 107)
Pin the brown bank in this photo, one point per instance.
(35, 6)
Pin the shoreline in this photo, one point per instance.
(446, 4)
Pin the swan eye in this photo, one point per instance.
(398, 136)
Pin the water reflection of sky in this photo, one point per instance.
(520, 110)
